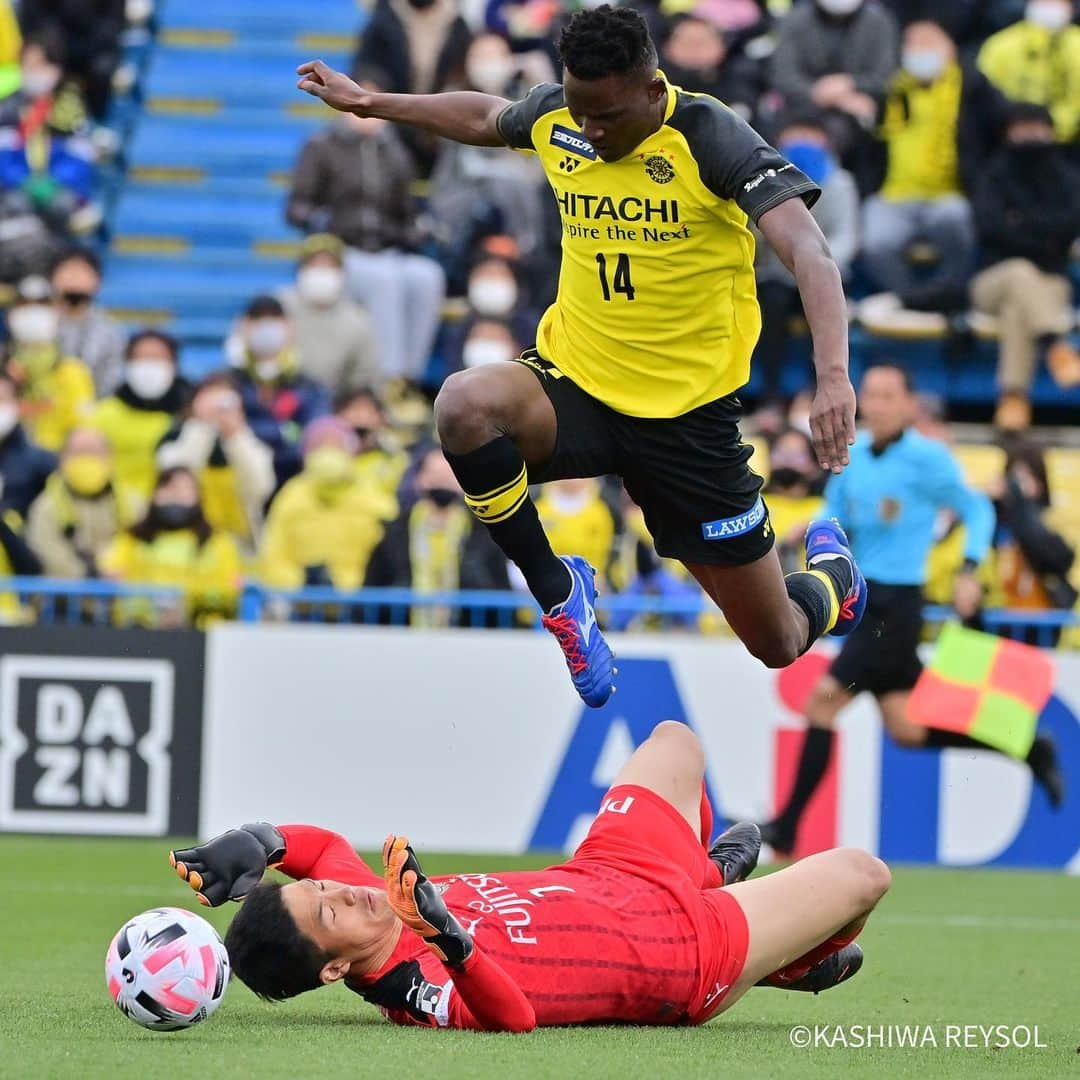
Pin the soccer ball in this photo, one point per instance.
(167, 969)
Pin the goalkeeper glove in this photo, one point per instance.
(418, 903)
(232, 864)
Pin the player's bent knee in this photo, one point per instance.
(775, 653)
(679, 739)
(870, 877)
(465, 405)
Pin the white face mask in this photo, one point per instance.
(267, 370)
(320, 285)
(923, 64)
(1048, 14)
(40, 81)
(481, 351)
(570, 502)
(492, 296)
(490, 76)
(9, 417)
(840, 7)
(267, 337)
(149, 379)
(33, 324)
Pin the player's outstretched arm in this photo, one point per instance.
(796, 238)
(464, 116)
(232, 864)
(489, 999)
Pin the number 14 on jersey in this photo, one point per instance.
(621, 282)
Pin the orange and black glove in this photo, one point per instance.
(232, 864)
(418, 903)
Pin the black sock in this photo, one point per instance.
(496, 485)
(941, 739)
(813, 761)
(819, 592)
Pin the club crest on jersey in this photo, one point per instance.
(573, 142)
(728, 528)
(659, 169)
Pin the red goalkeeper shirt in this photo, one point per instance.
(628, 930)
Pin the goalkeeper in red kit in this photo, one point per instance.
(645, 923)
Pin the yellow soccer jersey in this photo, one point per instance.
(656, 311)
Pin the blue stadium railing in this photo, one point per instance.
(57, 602)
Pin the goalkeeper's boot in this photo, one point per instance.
(573, 622)
(1042, 759)
(824, 540)
(735, 851)
(832, 971)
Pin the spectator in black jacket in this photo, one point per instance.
(436, 545)
(1033, 558)
(695, 56)
(420, 46)
(91, 30)
(1027, 208)
(24, 466)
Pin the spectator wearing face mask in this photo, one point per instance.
(82, 509)
(174, 546)
(804, 141)
(794, 490)
(56, 390)
(840, 55)
(46, 160)
(324, 523)
(494, 295)
(489, 341)
(579, 521)
(479, 191)
(1038, 60)
(136, 418)
(87, 331)
(940, 122)
(436, 546)
(377, 461)
(91, 30)
(1027, 206)
(24, 466)
(335, 337)
(235, 469)
(354, 180)
(695, 56)
(279, 401)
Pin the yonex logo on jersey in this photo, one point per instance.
(572, 141)
(569, 164)
(727, 528)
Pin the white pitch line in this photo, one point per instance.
(978, 922)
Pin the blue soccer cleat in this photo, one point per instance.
(573, 622)
(825, 537)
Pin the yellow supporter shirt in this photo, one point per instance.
(656, 312)
(583, 526)
(919, 125)
(56, 400)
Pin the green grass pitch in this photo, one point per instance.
(946, 947)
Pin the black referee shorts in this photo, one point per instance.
(689, 474)
(881, 655)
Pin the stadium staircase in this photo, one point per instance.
(198, 225)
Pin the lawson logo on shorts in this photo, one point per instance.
(728, 528)
(567, 139)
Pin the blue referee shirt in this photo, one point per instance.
(888, 504)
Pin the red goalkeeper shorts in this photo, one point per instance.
(641, 834)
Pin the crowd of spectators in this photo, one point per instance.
(945, 145)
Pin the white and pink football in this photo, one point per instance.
(167, 969)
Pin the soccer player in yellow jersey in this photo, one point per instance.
(637, 362)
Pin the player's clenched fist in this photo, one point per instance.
(418, 903)
(232, 864)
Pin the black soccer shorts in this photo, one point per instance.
(880, 656)
(690, 475)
